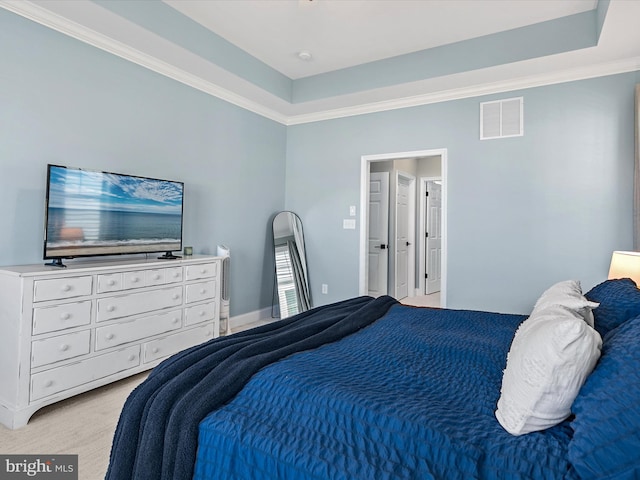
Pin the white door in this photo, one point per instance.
(402, 238)
(433, 245)
(378, 251)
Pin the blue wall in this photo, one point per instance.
(523, 212)
(64, 102)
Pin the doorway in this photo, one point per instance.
(416, 266)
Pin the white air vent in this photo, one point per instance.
(501, 119)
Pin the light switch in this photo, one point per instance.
(352, 210)
(349, 224)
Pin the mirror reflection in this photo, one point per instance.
(292, 280)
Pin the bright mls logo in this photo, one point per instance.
(50, 467)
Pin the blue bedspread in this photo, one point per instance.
(156, 437)
(411, 396)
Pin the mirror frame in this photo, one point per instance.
(291, 276)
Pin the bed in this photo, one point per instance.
(371, 389)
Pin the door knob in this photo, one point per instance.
(381, 247)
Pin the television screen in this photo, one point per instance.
(100, 213)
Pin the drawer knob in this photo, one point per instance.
(131, 357)
(157, 277)
(110, 336)
(176, 296)
(135, 280)
(203, 291)
(204, 270)
(66, 288)
(155, 350)
(64, 347)
(110, 308)
(202, 313)
(176, 274)
(65, 316)
(48, 383)
(176, 320)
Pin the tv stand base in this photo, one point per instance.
(56, 262)
(169, 256)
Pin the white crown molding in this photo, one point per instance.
(73, 29)
(570, 75)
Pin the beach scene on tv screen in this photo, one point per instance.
(97, 213)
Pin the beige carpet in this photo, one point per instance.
(82, 425)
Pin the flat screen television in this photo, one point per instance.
(89, 213)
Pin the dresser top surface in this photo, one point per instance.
(104, 266)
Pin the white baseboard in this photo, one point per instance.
(251, 317)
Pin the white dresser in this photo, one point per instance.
(64, 331)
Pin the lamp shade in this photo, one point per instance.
(625, 265)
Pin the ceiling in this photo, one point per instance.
(344, 33)
(366, 55)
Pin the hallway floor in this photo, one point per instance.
(432, 300)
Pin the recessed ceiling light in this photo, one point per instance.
(305, 55)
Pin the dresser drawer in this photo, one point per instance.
(163, 347)
(58, 288)
(59, 317)
(150, 278)
(134, 279)
(110, 282)
(200, 291)
(154, 277)
(206, 270)
(63, 378)
(135, 303)
(117, 334)
(173, 274)
(199, 313)
(62, 347)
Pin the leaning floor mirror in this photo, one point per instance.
(292, 280)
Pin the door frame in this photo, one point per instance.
(422, 227)
(365, 168)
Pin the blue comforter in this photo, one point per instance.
(411, 396)
(156, 437)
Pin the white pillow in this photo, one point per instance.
(569, 294)
(551, 355)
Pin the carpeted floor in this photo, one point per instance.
(81, 425)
